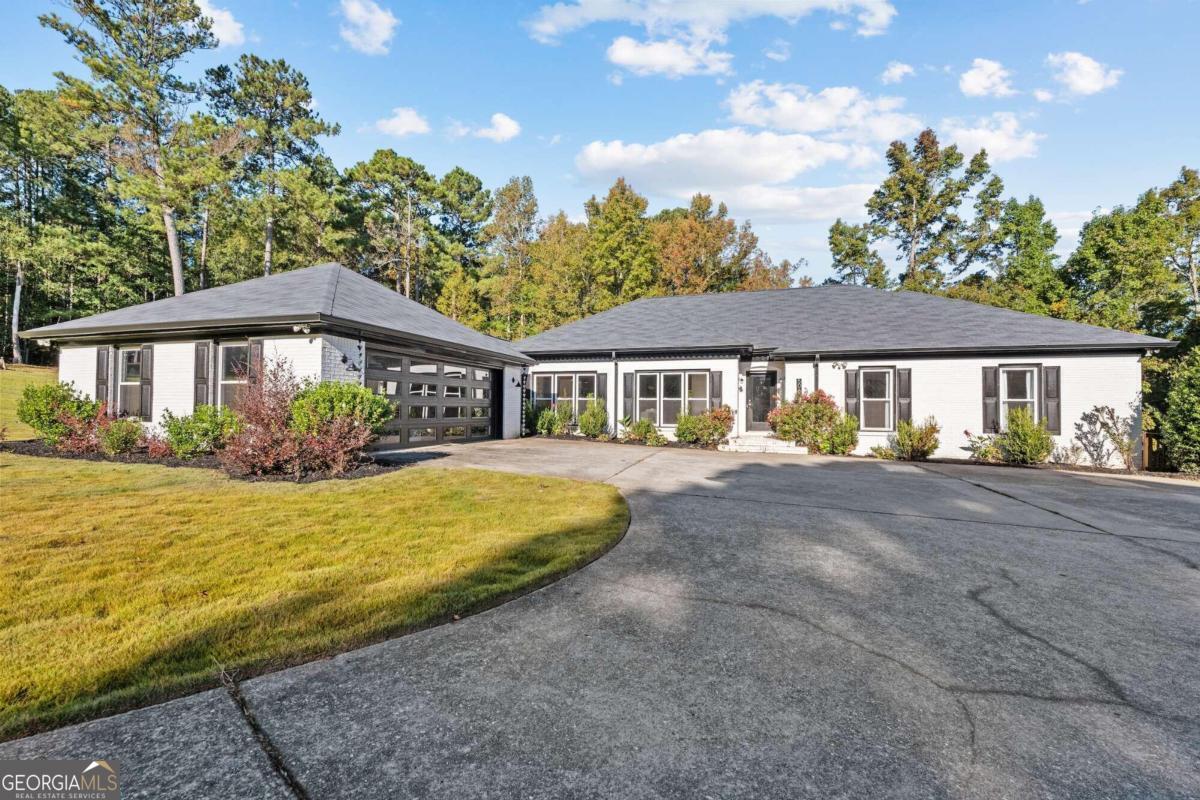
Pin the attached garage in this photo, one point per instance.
(449, 383)
(437, 401)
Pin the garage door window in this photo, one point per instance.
(435, 400)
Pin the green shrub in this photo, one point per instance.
(644, 431)
(320, 403)
(593, 422)
(814, 421)
(205, 430)
(914, 442)
(1181, 421)
(44, 407)
(844, 436)
(1023, 440)
(120, 436)
(707, 430)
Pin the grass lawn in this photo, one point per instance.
(123, 584)
(12, 382)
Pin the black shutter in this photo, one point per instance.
(627, 396)
(991, 399)
(1052, 399)
(714, 389)
(147, 382)
(103, 373)
(852, 393)
(904, 395)
(256, 361)
(203, 373)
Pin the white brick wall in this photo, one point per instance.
(951, 390)
(342, 359)
(77, 365)
(174, 379)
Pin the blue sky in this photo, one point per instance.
(782, 108)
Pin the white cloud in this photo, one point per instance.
(368, 27)
(780, 50)
(403, 122)
(673, 58)
(1000, 134)
(1081, 75)
(1043, 95)
(713, 159)
(844, 112)
(986, 78)
(502, 129)
(895, 72)
(225, 27)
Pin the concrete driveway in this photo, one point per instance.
(771, 626)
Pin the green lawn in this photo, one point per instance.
(126, 584)
(12, 382)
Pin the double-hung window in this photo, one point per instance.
(129, 395)
(877, 399)
(1018, 389)
(235, 373)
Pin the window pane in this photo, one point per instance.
(565, 386)
(131, 365)
(380, 361)
(543, 385)
(697, 385)
(672, 385)
(587, 385)
(455, 371)
(1017, 384)
(670, 409)
(423, 369)
(131, 400)
(422, 390)
(697, 407)
(421, 434)
(481, 374)
(235, 362)
(453, 412)
(648, 385)
(875, 414)
(455, 391)
(422, 412)
(455, 432)
(875, 384)
(648, 409)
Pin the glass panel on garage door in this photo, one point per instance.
(436, 401)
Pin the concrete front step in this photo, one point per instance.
(762, 444)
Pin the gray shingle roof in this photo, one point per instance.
(824, 319)
(327, 293)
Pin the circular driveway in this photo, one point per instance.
(771, 626)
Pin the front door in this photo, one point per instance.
(761, 391)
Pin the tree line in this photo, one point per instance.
(131, 184)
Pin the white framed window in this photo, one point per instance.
(663, 396)
(234, 372)
(877, 399)
(1018, 389)
(129, 383)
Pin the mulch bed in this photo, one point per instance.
(369, 467)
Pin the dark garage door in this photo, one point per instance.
(437, 401)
